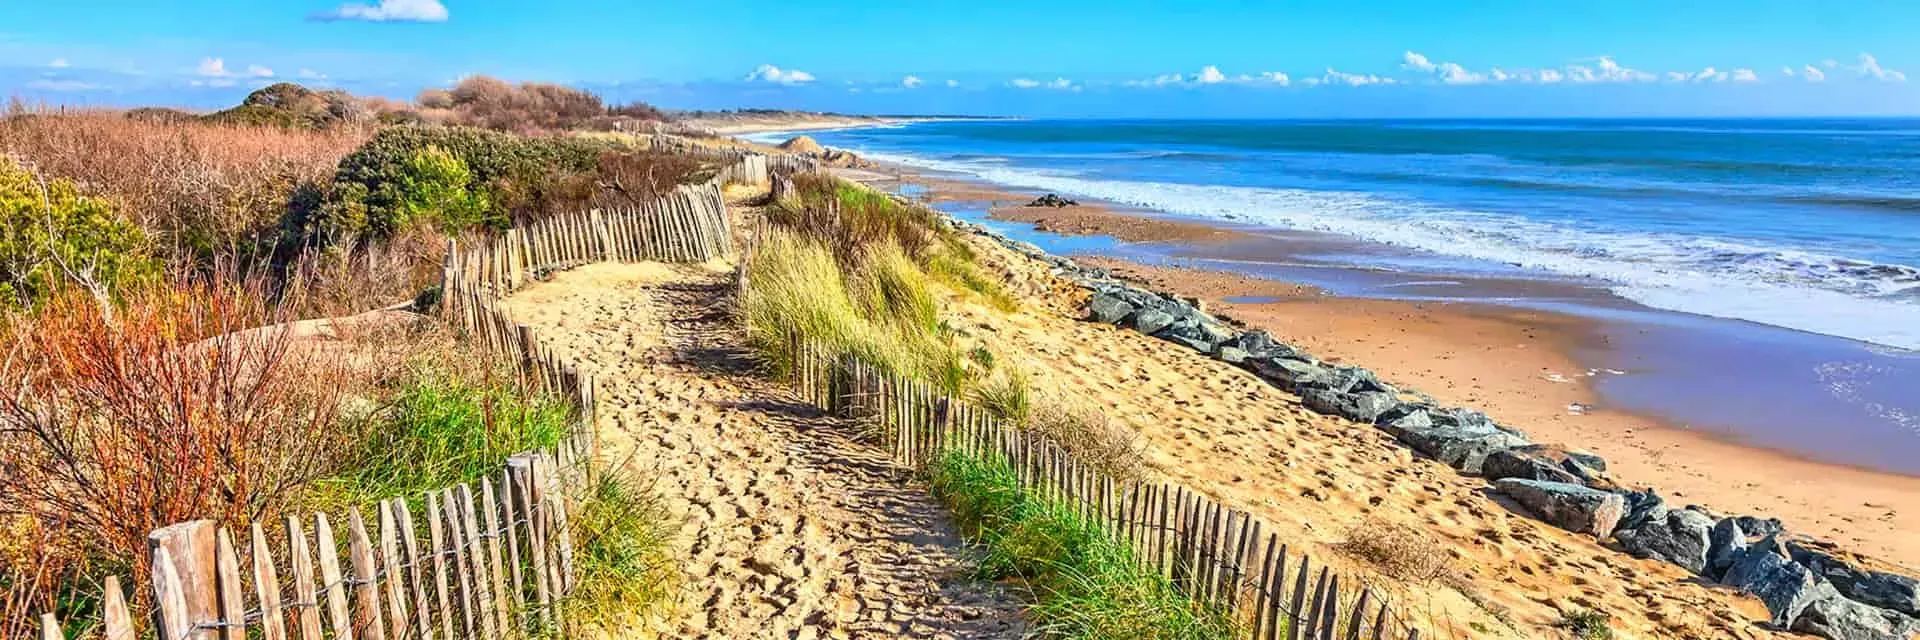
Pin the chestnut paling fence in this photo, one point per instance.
(1222, 558)
(486, 559)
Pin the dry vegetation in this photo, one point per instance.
(1398, 552)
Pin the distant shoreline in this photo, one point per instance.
(759, 123)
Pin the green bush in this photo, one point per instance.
(50, 235)
(372, 195)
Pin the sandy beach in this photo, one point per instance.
(1523, 367)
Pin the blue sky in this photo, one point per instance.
(1081, 58)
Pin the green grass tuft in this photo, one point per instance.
(439, 431)
(622, 558)
(1085, 584)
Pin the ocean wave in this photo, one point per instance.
(1802, 290)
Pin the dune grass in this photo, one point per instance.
(1084, 583)
(439, 430)
(623, 561)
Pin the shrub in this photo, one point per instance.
(369, 197)
(52, 237)
(202, 193)
(163, 412)
(528, 107)
(1586, 624)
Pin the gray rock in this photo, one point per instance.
(1533, 462)
(1259, 344)
(1566, 505)
(1680, 538)
(1877, 588)
(1152, 321)
(1195, 344)
(1642, 507)
(1289, 373)
(1761, 528)
(1231, 354)
(1725, 544)
(1786, 588)
(1109, 309)
(1359, 407)
(1838, 618)
(1462, 448)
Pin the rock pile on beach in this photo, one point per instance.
(1805, 589)
(805, 146)
(1052, 200)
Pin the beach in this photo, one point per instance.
(1537, 370)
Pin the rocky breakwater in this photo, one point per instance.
(1805, 589)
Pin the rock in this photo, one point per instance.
(1051, 200)
(1289, 373)
(1838, 618)
(1463, 448)
(1259, 344)
(1231, 354)
(1642, 507)
(1109, 309)
(1725, 544)
(1786, 588)
(1758, 527)
(1404, 417)
(1877, 588)
(1532, 462)
(803, 145)
(1152, 321)
(1567, 505)
(1680, 538)
(1359, 407)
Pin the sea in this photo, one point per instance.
(1766, 262)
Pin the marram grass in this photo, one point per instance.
(1085, 584)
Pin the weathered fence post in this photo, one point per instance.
(183, 577)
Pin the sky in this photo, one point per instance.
(1080, 58)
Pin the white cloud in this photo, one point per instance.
(1274, 77)
(776, 75)
(953, 83)
(212, 68)
(1056, 83)
(910, 82)
(309, 74)
(1745, 75)
(214, 82)
(1210, 75)
(257, 71)
(1550, 76)
(59, 63)
(1416, 62)
(1335, 76)
(388, 11)
(1814, 74)
(1870, 68)
(1606, 70)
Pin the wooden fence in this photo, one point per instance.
(485, 560)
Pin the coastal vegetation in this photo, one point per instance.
(1084, 582)
(151, 265)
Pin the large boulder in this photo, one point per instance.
(1642, 507)
(1288, 372)
(1462, 447)
(1109, 308)
(1531, 462)
(1838, 618)
(1567, 505)
(1152, 321)
(1761, 527)
(1258, 344)
(1784, 586)
(1877, 588)
(1725, 544)
(1051, 200)
(1681, 538)
(1365, 406)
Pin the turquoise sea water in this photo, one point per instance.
(1811, 225)
(1775, 263)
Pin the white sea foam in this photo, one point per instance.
(1795, 289)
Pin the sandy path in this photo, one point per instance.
(790, 528)
(1225, 432)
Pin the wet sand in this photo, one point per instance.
(1533, 368)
